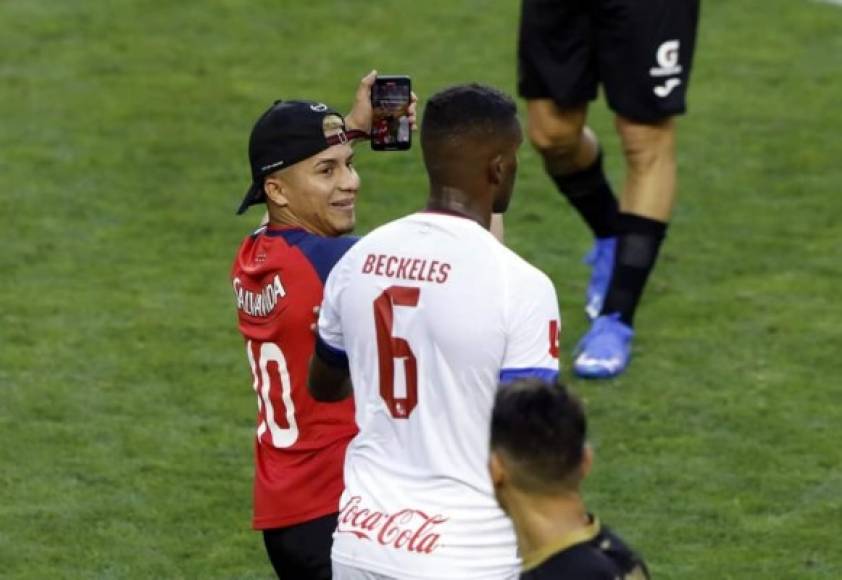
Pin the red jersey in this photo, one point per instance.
(278, 277)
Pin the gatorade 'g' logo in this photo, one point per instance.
(667, 58)
(668, 54)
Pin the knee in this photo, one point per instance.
(557, 134)
(556, 137)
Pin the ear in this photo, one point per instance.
(497, 467)
(275, 190)
(495, 170)
(587, 460)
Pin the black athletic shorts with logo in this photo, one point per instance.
(639, 50)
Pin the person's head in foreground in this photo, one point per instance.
(469, 137)
(302, 168)
(539, 457)
(538, 445)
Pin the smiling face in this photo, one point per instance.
(318, 193)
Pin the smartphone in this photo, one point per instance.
(390, 130)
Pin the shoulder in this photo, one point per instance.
(524, 284)
(322, 252)
(395, 227)
(331, 249)
(251, 239)
(384, 238)
(521, 269)
(604, 557)
(630, 564)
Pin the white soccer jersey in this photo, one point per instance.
(432, 313)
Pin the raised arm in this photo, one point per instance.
(360, 116)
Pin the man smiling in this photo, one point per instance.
(302, 170)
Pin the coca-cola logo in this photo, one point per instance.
(407, 529)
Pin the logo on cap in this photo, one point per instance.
(318, 107)
(272, 165)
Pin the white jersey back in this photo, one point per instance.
(432, 313)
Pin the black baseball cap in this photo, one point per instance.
(288, 132)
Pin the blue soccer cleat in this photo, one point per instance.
(604, 352)
(601, 260)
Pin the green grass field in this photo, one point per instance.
(126, 410)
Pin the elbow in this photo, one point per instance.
(332, 392)
(327, 384)
(318, 392)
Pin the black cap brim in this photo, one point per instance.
(253, 196)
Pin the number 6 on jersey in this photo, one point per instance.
(391, 347)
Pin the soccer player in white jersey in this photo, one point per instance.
(424, 316)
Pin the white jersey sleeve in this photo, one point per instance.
(533, 327)
(330, 342)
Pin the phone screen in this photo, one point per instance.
(390, 128)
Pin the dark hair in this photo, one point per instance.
(541, 428)
(466, 109)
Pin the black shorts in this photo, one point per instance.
(639, 50)
(302, 551)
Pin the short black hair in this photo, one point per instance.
(541, 428)
(466, 109)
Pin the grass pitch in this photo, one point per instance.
(126, 413)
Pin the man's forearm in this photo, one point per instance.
(328, 384)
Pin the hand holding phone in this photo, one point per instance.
(390, 126)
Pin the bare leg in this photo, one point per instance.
(646, 206)
(561, 137)
(573, 160)
(649, 189)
